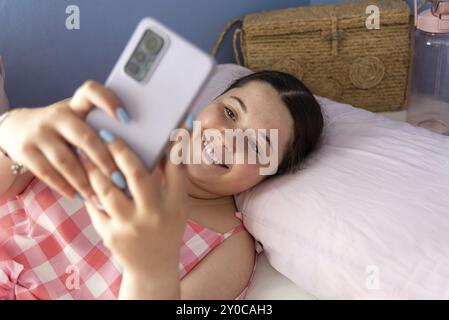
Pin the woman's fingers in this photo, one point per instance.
(100, 221)
(92, 94)
(64, 160)
(85, 138)
(112, 199)
(45, 172)
(144, 189)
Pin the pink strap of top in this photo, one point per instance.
(236, 229)
(238, 214)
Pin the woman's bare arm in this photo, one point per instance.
(11, 184)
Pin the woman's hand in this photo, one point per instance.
(143, 233)
(40, 139)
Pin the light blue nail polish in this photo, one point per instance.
(107, 136)
(118, 179)
(79, 197)
(189, 121)
(122, 115)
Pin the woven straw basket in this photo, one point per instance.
(330, 48)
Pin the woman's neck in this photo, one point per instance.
(198, 196)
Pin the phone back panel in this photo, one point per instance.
(160, 104)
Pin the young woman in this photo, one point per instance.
(179, 235)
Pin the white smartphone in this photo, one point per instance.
(158, 77)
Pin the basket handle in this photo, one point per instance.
(238, 32)
(219, 41)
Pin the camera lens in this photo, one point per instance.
(132, 68)
(152, 43)
(140, 57)
(144, 56)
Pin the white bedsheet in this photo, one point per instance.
(269, 284)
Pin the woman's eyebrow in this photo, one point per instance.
(242, 104)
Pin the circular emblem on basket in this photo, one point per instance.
(289, 65)
(366, 72)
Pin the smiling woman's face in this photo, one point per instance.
(255, 106)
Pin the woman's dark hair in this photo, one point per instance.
(304, 109)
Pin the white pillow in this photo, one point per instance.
(3, 100)
(368, 216)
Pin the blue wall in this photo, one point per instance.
(410, 2)
(45, 62)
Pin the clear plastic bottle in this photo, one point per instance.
(429, 100)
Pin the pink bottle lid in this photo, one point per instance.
(435, 20)
(429, 23)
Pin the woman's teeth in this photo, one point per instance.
(209, 150)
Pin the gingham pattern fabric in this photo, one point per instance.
(50, 250)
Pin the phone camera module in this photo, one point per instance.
(144, 56)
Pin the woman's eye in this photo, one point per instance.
(229, 113)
